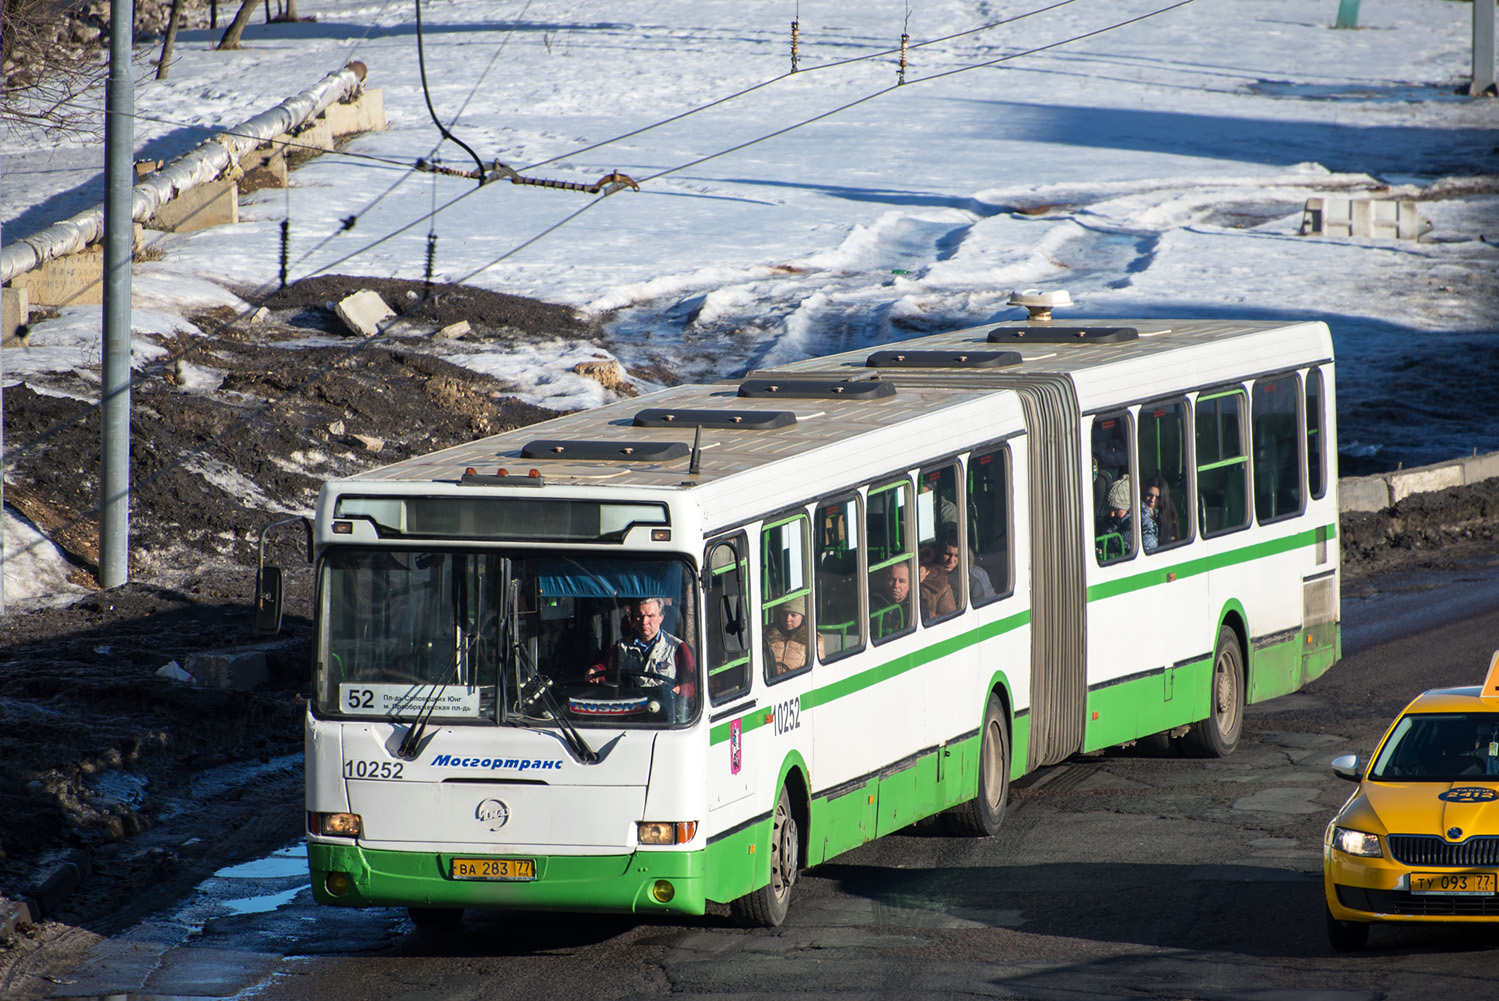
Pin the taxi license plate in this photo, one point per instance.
(1450, 883)
(518, 869)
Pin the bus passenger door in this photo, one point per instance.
(726, 614)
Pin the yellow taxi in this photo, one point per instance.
(1418, 840)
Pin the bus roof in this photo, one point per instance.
(824, 442)
(1110, 362)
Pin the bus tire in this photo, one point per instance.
(767, 906)
(435, 917)
(982, 816)
(1218, 735)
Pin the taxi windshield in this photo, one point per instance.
(1440, 747)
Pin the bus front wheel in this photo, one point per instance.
(982, 816)
(767, 906)
(1218, 735)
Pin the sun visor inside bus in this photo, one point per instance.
(943, 359)
(623, 579)
(741, 420)
(822, 389)
(1063, 335)
(614, 451)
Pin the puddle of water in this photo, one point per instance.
(263, 905)
(286, 862)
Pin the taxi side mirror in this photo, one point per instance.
(1348, 766)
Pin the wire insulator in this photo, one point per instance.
(285, 248)
(795, 27)
(431, 257)
(901, 77)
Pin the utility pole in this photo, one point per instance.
(119, 231)
(1483, 49)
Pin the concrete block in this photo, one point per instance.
(363, 312)
(15, 309)
(264, 168)
(314, 137)
(366, 113)
(1363, 493)
(74, 280)
(1481, 467)
(453, 330)
(239, 670)
(1383, 218)
(212, 204)
(1425, 480)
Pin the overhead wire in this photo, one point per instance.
(383, 331)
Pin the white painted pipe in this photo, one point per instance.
(210, 159)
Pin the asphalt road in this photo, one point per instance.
(1126, 874)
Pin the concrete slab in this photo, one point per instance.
(1424, 481)
(15, 309)
(366, 113)
(213, 204)
(314, 137)
(239, 670)
(1363, 493)
(74, 280)
(363, 312)
(1383, 218)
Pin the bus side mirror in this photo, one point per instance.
(269, 588)
(268, 600)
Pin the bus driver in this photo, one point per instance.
(652, 657)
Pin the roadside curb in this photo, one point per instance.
(46, 896)
(1385, 490)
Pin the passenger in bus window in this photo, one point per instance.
(889, 611)
(652, 658)
(1117, 521)
(786, 638)
(1156, 502)
(936, 591)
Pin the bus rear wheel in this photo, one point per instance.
(982, 816)
(767, 906)
(1218, 735)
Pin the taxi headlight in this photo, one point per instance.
(1352, 842)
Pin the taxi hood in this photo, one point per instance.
(1433, 808)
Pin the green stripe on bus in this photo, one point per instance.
(755, 718)
(1191, 568)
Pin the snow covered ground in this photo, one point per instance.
(1151, 168)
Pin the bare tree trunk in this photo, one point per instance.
(166, 47)
(291, 11)
(237, 26)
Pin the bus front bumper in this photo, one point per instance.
(632, 883)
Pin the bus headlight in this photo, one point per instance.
(666, 832)
(663, 891)
(338, 883)
(335, 825)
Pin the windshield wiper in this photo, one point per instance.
(537, 688)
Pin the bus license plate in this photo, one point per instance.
(518, 869)
(1449, 883)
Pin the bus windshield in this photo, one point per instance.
(465, 636)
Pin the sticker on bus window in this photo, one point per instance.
(407, 700)
(736, 747)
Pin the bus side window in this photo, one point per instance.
(891, 574)
(725, 612)
(1316, 441)
(988, 550)
(786, 625)
(1164, 475)
(839, 611)
(939, 544)
(1277, 449)
(1113, 535)
(1222, 465)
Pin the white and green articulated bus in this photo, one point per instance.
(675, 650)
